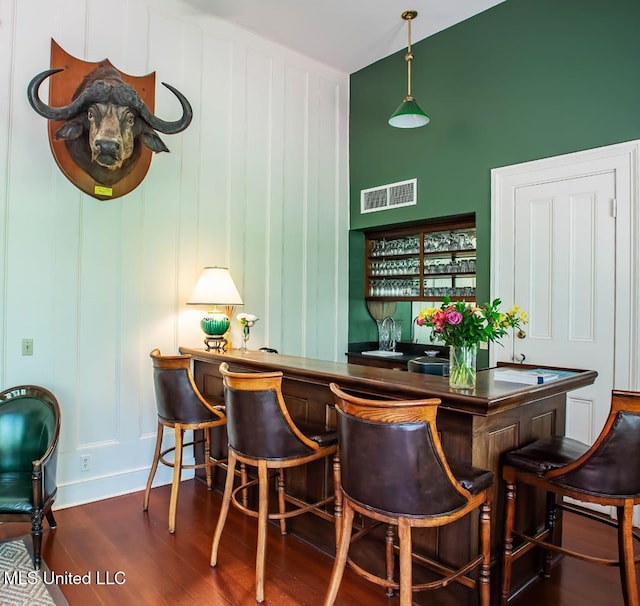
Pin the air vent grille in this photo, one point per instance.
(393, 195)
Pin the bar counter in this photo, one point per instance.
(475, 427)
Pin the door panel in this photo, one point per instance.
(564, 276)
(564, 251)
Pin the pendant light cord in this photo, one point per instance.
(409, 57)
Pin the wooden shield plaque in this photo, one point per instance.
(62, 87)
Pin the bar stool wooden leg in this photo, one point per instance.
(551, 526)
(154, 466)
(243, 481)
(337, 504)
(224, 508)
(390, 557)
(341, 556)
(509, 517)
(406, 568)
(263, 512)
(485, 543)
(207, 458)
(625, 551)
(177, 473)
(281, 502)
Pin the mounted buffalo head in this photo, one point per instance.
(107, 123)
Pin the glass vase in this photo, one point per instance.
(462, 366)
(245, 338)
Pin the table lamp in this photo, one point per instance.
(215, 287)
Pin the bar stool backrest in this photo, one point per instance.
(258, 422)
(391, 458)
(177, 397)
(611, 467)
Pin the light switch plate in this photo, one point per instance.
(27, 347)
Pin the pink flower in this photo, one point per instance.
(439, 318)
(454, 318)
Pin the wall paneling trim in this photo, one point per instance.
(258, 183)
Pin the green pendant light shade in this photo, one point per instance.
(409, 114)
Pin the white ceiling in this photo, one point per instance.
(346, 34)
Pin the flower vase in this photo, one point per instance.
(245, 338)
(462, 366)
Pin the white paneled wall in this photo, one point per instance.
(258, 182)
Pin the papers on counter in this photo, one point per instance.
(529, 376)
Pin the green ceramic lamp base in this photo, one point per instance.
(214, 325)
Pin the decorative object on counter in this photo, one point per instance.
(386, 328)
(429, 365)
(409, 114)
(463, 327)
(382, 353)
(396, 334)
(215, 287)
(246, 321)
(389, 333)
(462, 366)
(381, 312)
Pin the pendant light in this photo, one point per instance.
(409, 114)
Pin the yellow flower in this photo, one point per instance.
(427, 312)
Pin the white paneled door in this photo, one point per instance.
(562, 250)
(564, 276)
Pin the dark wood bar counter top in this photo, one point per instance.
(489, 397)
(476, 427)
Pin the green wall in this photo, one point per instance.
(524, 80)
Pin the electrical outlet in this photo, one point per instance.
(84, 462)
(27, 347)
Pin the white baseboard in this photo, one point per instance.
(113, 485)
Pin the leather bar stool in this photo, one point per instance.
(607, 473)
(262, 434)
(393, 470)
(181, 407)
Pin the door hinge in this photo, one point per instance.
(614, 208)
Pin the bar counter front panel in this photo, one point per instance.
(475, 427)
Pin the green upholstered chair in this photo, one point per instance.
(29, 432)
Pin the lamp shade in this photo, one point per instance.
(215, 287)
(408, 115)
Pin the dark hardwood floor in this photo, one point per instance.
(115, 536)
